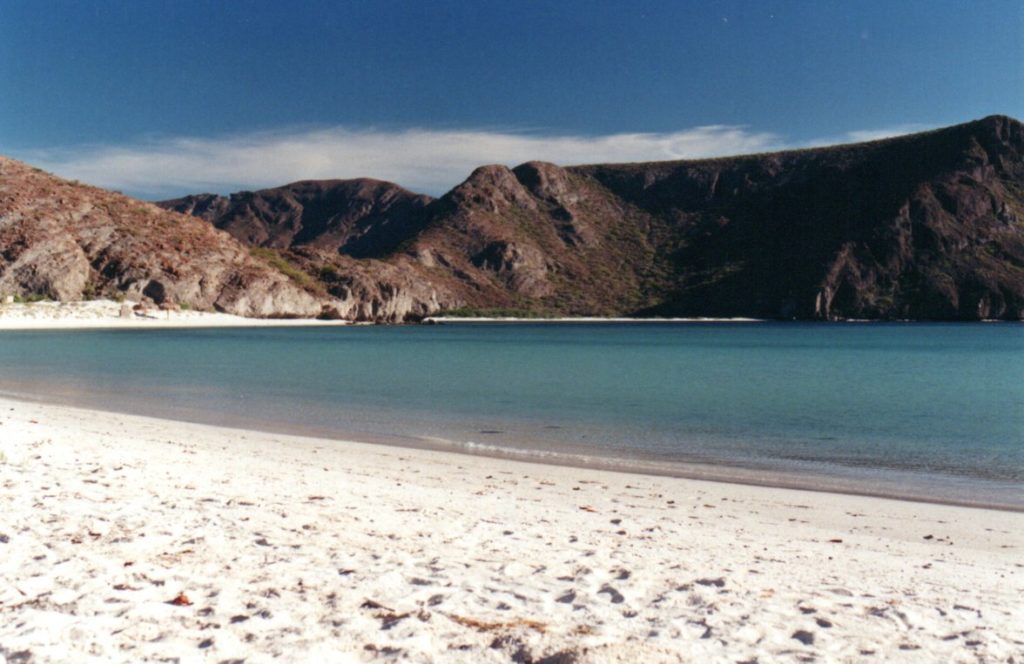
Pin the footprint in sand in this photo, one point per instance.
(615, 595)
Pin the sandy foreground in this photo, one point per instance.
(126, 538)
(105, 314)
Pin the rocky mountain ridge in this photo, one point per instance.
(926, 226)
(358, 217)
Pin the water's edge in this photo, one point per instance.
(724, 472)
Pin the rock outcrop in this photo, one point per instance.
(67, 241)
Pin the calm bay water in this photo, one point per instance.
(919, 410)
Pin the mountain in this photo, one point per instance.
(926, 226)
(66, 241)
(360, 218)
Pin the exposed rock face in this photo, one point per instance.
(565, 203)
(929, 226)
(65, 241)
(370, 290)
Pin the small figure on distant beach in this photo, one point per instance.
(169, 306)
(142, 309)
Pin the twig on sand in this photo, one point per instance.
(484, 626)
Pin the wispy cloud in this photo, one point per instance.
(863, 135)
(426, 160)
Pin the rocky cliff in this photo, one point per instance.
(67, 241)
(927, 226)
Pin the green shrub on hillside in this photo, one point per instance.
(285, 267)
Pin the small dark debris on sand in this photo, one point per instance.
(804, 637)
(371, 604)
(717, 583)
(181, 600)
(615, 595)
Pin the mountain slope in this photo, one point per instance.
(67, 241)
(355, 217)
(927, 226)
(924, 226)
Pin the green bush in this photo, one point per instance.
(29, 299)
(328, 273)
(282, 265)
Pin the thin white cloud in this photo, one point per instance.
(863, 135)
(426, 160)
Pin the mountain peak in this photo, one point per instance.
(345, 216)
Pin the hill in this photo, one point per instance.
(359, 218)
(67, 241)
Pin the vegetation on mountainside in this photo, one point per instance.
(279, 261)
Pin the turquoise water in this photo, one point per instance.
(919, 410)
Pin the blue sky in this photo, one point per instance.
(161, 98)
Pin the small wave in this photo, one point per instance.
(525, 453)
(548, 456)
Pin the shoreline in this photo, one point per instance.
(722, 472)
(305, 549)
(104, 315)
(440, 319)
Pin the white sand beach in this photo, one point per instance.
(126, 538)
(106, 314)
(442, 319)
